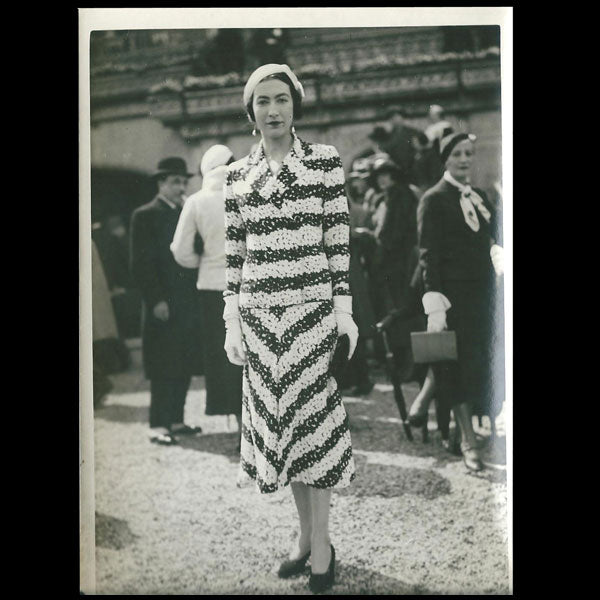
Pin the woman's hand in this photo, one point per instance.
(435, 305)
(436, 321)
(234, 345)
(497, 255)
(346, 325)
(161, 311)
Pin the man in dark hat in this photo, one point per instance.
(399, 144)
(169, 323)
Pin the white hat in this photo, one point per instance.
(215, 156)
(265, 71)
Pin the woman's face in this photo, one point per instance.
(385, 180)
(460, 160)
(273, 108)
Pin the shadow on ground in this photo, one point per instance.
(390, 481)
(122, 414)
(113, 533)
(349, 581)
(217, 443)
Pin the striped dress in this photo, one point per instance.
(287, 255)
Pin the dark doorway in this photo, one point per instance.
(116, 194)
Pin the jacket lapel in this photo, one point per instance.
(276, 190)
(292, 169)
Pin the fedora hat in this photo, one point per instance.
(379, 134)
(172, 166)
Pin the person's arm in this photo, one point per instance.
(429, 226)
(336, 226)
(336, 242)
(235, 242)
(496, 243)
(144, 259)
(182, 245)
(235, 255)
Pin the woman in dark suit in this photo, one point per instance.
(459, 256)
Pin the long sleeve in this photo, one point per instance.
(429, 230)
(336, 227)
(182, 246)
(144, 259)
(496, 220)
(235, 241)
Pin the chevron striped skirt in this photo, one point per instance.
(294, 425)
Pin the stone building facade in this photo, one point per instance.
(176, 92)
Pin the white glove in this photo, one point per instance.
(234, 345)
(345, 323)
(497, 255)
(436, 305)
(436, 320)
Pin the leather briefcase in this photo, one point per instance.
(433, 346)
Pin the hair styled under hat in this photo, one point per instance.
(215, 156)
(448, 143)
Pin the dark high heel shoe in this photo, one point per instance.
(289, 568)
(319, 582)
(418, 420)
(471, 457)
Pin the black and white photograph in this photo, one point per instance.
(295, 251)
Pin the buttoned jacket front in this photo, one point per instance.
(287, 234)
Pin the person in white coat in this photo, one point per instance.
(203, 215)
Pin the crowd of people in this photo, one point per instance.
(412, 256)
(254, 279)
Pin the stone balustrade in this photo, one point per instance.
(200, 112)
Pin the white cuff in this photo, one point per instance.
(342, 304)
(231, 309)
(433, 301)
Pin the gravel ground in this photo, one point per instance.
(170, 520)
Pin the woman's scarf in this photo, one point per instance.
(468, 198)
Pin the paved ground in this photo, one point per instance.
(170, 520)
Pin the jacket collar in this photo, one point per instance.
(167, 202)
(299, 150)
(291, 167)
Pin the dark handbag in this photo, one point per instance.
(433, 346)
(339, 361)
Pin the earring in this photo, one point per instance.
(293, 129)
(254, 131)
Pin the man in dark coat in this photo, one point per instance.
(396, 255)
(399, 144)
(169, 323)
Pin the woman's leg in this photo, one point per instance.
(420, 404)
(320, 543)
(463, 416)
(303, 504)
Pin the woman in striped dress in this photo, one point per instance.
(286, 303)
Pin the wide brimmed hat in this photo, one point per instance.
(173, 165)
(359, 174)
(381, 165)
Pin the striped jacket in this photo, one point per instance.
(287, 236)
